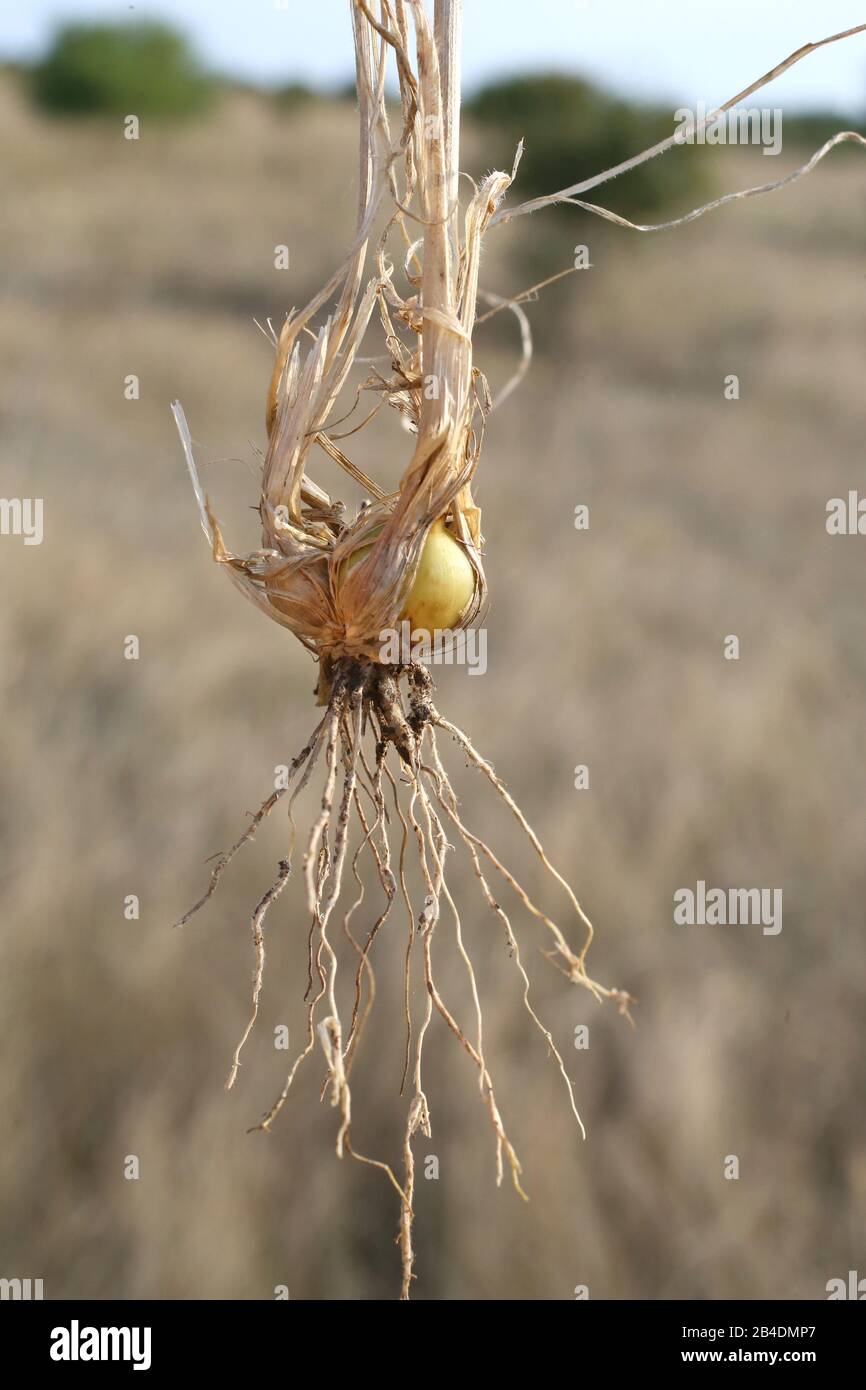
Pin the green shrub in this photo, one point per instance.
(572, 130)
(810, 129)
(294, 96)
(140, 69)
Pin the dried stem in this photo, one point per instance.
(507, 214)
(726, 198)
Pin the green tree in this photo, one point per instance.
(144, 69)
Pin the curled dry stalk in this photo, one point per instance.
(338, 584)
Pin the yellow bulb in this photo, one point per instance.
(444, 582)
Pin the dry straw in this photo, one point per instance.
(412, 266)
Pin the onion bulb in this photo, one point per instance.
(444, 583)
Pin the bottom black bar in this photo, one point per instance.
(75, 1338)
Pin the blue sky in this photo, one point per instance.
(666, 49)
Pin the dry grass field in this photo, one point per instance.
(605, 648)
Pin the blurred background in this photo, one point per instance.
(707, 517)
